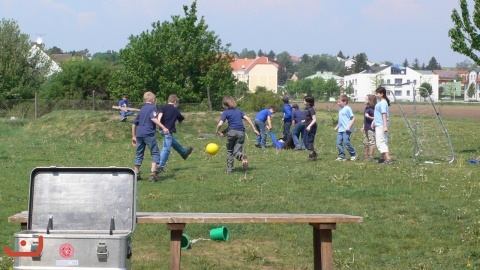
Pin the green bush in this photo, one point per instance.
(260, 100)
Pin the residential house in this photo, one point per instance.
(294, 77)
(44, 59)
(256, 72)
(350, 61)
(401, 82)
(473, 77)
(61, 57)
(327, 75)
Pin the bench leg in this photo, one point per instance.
(322, 246)
(176, 230)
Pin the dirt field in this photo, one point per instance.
(446, 110)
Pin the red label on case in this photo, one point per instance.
(66, 250)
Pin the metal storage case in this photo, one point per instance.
(82, 218)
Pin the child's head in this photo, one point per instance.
(285, 99)
(173, 99)
(381, 93)
(149, 97)
(125, 97)
(295, 106)
(309, 100)
(342, 100)
(272, 108)
(370, 100)
(229, 103)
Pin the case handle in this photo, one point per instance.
(50, 224)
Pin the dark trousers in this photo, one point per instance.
(286, 130)
(310, 137)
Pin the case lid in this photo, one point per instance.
(74, 198)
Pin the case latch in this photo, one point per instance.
(102, 252)
(34, 247)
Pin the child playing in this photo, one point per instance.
(368, 131)
(262, 117)
(168, 115)
(143, 134)
(298, 128)
(310, 122)
(123, 104)
(287, 117)
(344, 129)
(381, 121)
(236, 132)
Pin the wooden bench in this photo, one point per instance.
(322, 224)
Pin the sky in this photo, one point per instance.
(385, 30)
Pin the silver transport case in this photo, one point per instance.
(82, 218)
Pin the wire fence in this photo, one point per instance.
(35, 108)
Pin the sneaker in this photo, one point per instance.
(160, 170)
(340, 159)
(244, 162)
(381, 160)
(123, 119)
(137, 173)
(387, 162)
(257, 146)
(353, 158)
(154, 177)
(189, 151)
(313, 156)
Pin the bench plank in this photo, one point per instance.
(167, 217)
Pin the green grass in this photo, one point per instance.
(415, 216)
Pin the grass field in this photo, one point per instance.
(416, 216)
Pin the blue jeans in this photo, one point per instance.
(125, 114)
(344, 138)
(299, 131)
(286, 130)
(262, 138)
(151, 143)
(169, 142)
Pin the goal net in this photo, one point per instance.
(431, 139)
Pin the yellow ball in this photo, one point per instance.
(211, 149)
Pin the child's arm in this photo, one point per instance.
(314, 120)
(269, 122)
(159, 123)
(384, 118)
(251, 124)
(134, 135)
(217, 131)
(352, 120)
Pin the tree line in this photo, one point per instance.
(179, 56)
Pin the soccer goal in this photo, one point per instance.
(431, 140)
(430, 134)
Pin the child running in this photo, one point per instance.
(236, 132)
(168, 115)
(310, 126)
(143, 135)
(368, 131)
(344, 129)
(381, 121)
